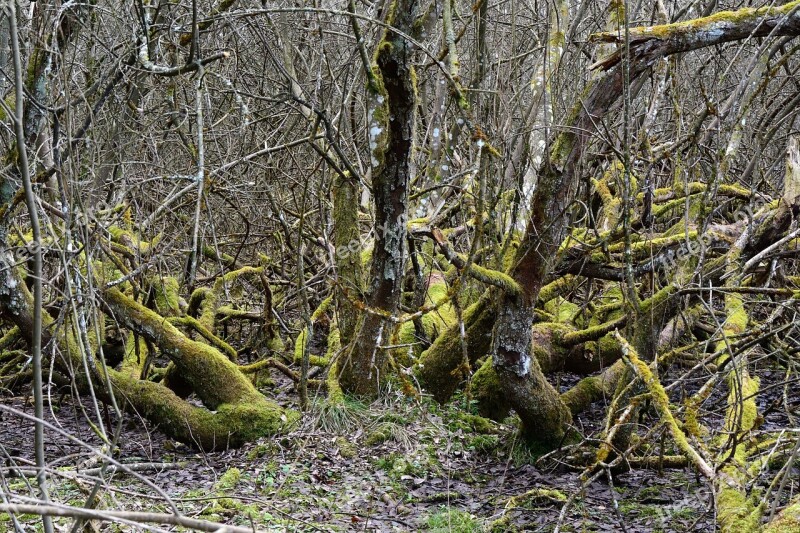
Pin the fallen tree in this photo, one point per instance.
(234, 411)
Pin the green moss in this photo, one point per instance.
(135, 355)
(642, 248)
(556, 287)
(347, 449)
(434, 322)
(366, 256)
(124, 236)
(484, 443)
(321, 309)
(487, 392)
(313, 360)
(435, 368)
(691, 423)
(231, 425)
(722, 18)
(593, 388)
(335, 393)
(300, 345)
(228, 480)
(495, 278)
(348, 257)
(380, 434)
(654, 303)
(548, 346)
(208, 308)
(250, 420)
(397, 465)
(260, 450)
(471, 423)
(788, 521)
(11, 103)
(661, 402)
(409, 345)
(736, 513)
(242, 413)
(564, 310)
(452, 521)
(275, 344)
(542, 494)
(166, 296)
(208, 336)
(596, 341)
(334, 343)
(743, 402)
(211, 253)
(736, 322)
(641, 510)
(528, 500)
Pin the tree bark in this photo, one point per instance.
(391, 126)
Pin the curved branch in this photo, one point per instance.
(651, 43)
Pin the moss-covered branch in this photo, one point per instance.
(662, 405)
(653, 42)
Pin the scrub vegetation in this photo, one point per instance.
(399, 265)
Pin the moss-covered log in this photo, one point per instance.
(593, 388)
(437, 364)
(236, 412)
(788, 521)
(229, 425)
(213, 377)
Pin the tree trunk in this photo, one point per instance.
(347, 242)
(391, 123)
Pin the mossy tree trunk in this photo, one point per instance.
(347, 242)
(437, 366)
(542, 412)
(391, 122)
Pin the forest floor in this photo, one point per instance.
(398, 465)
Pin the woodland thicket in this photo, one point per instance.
(441, 198)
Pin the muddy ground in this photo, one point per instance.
(397, 465)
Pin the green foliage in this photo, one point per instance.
(452, 521)
(484, 443)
